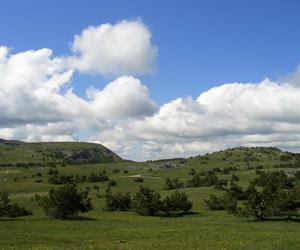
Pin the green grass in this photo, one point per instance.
(99, 229)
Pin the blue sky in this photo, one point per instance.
(224, 74)
(201, 43)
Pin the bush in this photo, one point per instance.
(112, 183)
(138, 179)
(221, 184)
(274, 179)
(11, 210)
(176, 203)
(65, 202)
(173, 184)
(146, 202)
(206, 179)
(117, 201)
(192, 171)
(214, 203)
(269, 203)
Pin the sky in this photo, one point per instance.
(151, 79)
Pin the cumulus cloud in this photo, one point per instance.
(262, 114)
(122, 98)
(122, 48)
(36, 94)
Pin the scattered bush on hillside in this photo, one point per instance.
(66, 202)
(277, 179)
(198, 180)
(65, 179)
(173, 184)
(221, 184)
(268, 203)
(118, 201)
(177, 202)
(138, 179)
(112, 183)
(278, 197)
(11, 210)
(214, 203)
(146, 202)
(192, 171)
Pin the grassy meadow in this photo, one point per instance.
(98, 229)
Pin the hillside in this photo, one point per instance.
(209, 229)
(41, 153)
(247, 157)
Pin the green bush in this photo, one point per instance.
(118, 201)
(112, 183)
(146, 202)
(214, 203)
(149, 202)
(173, 184)
(138, 179)
(177, 202)
(11, 210)
(66, 202)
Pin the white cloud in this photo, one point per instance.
(122, 48)
(267, 113)
(122, 98)
(37, 102)
(36, 92)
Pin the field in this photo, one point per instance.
(98, 229)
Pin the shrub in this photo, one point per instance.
(221, 184)
(138, 179)
(192, 171)
(175, 203)
(173, 184)
(234, 178)
(269, 203)
(117, 201)
(274, 180)
(200, 180)
(11, 210)
(146, 202)
(65, 202)
(214, 203)
(112, 183)
(101, 177)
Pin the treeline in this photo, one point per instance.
(31, 164)
(11, 210)
(202, 179)
(278, 197)
(147, 202)
(65, 179)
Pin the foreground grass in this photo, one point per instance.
(128, 231)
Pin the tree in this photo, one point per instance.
(173, 184)
(11, 210)
(269, 203)
(117, 201)
(66, 202)
(112, 183)
(176, 202)
(214, 203)
(146, 202)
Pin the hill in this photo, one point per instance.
(45, 153)
(204, 228)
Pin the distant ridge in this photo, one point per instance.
(14, 152)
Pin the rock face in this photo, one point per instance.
(93, 155)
